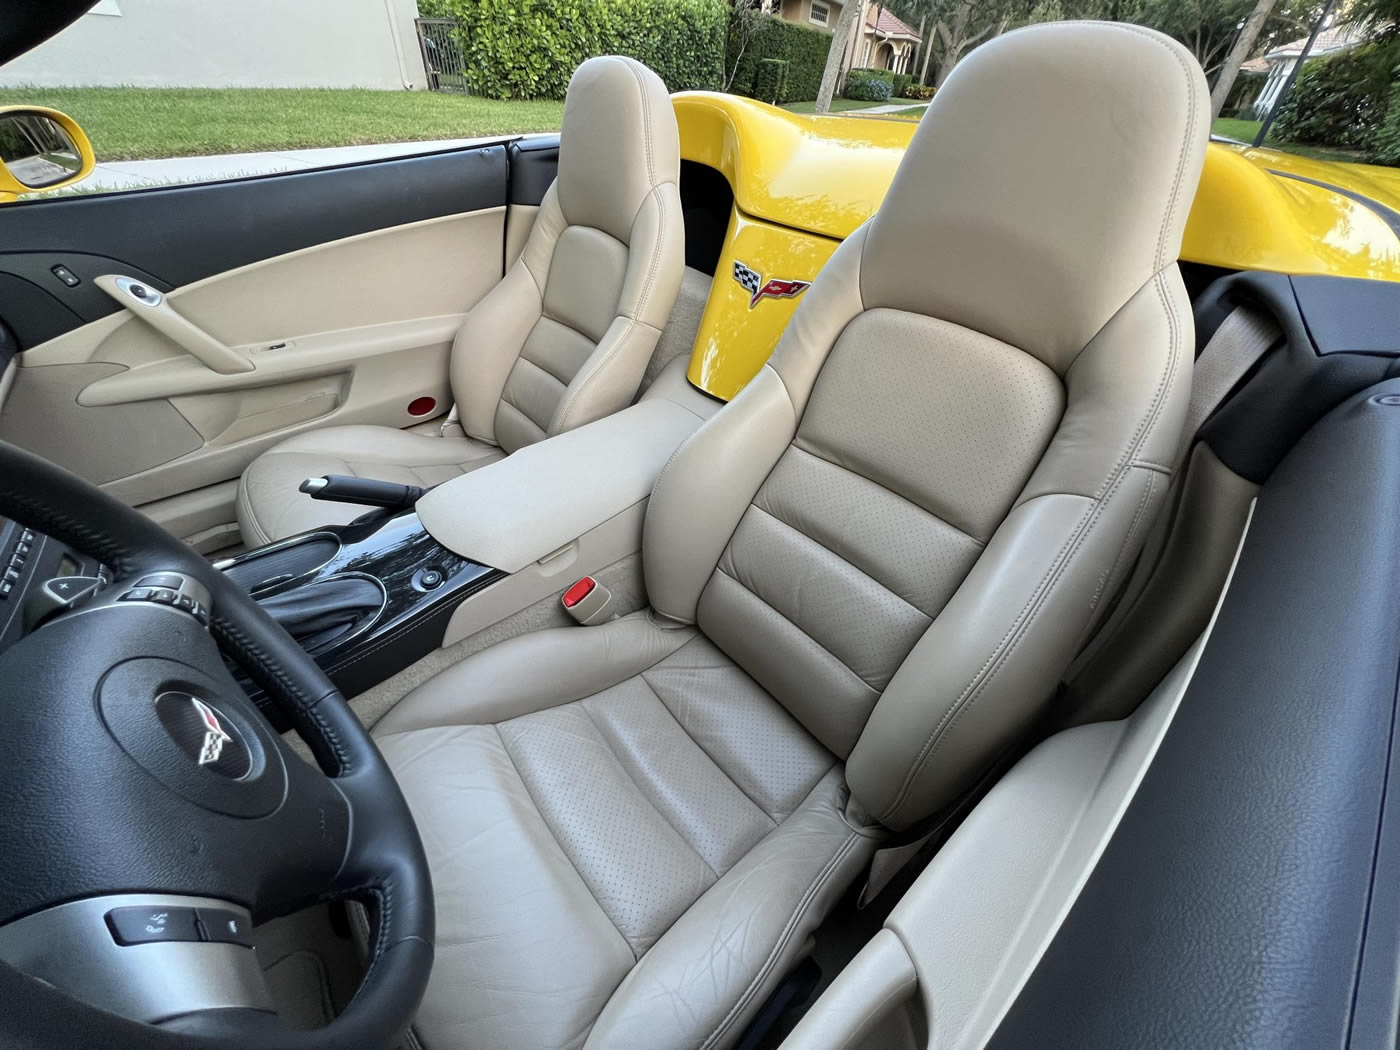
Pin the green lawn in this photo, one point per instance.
(838, 105)
(1245, 130)
(144, 123)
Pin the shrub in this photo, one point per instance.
(1340, 100)
(879, 74)
(1386, 149)
(922, 92)
(865, 86)
(768, 82)
(802, 47)
(901, 84)
(529, 48)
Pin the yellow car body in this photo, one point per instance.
(801, 184)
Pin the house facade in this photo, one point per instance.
(879, 40)
(1279, 63)
(231, 43)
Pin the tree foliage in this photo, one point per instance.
(1207, 27)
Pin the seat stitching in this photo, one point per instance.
(1054, 574)
(522, 359)
(713, 761)
(801, 630)
(981, 544)
(843, 559)
(802, 905)
(641, 790)
(554, 835)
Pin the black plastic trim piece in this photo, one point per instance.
(180, 234)
(1251, 895)
(1293, 386)
(534, 162)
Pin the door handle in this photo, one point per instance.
(154, 309)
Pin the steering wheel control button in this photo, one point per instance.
(136, 594)
(156, 924)
(204, 733)
(225, 926)
(56, 596)
(172, 580)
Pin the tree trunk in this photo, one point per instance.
(839, 37)
(914, 60)
(928, 53)
(1244, 43)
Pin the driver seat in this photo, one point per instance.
(866, 574)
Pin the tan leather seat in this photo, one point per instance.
(562, 340)
(866, 573)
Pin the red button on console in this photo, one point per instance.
(579, 591)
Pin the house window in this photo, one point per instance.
(820, 13)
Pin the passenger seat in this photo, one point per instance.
(564, 338)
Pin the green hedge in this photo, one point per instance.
(804, 50)
(529, 48)
(1341, 101)
(901, 84)
(768, 82)
(867, 85)
(1386, 148)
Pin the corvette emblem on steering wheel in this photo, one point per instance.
(204, 733)
(215, 736)
(752, 282)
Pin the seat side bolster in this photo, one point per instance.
(705, 488)
(757, 919)
(608, 380)
(494, 331)
(711, 480)
(995, 652)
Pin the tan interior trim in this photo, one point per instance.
(1061, 885)
(520, 220)
(518, 510)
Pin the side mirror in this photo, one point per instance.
(40, 149)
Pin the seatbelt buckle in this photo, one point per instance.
(587, 601)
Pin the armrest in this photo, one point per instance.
(515, 511)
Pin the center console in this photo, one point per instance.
(365, 599)
(370, 598)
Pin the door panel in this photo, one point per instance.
(183, 234)
(346, 332)
(345, 329)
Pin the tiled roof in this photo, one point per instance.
(888, 25)
(1328, 40)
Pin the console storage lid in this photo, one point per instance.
(516, 511)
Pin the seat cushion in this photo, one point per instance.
(630, 840)
(271, 508)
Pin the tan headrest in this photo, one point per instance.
(1048, 181)
(619, 141)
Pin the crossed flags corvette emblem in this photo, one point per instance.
(752, 282)
(215, 735)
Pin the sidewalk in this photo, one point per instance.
(133, 174)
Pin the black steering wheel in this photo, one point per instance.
(135, 767)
